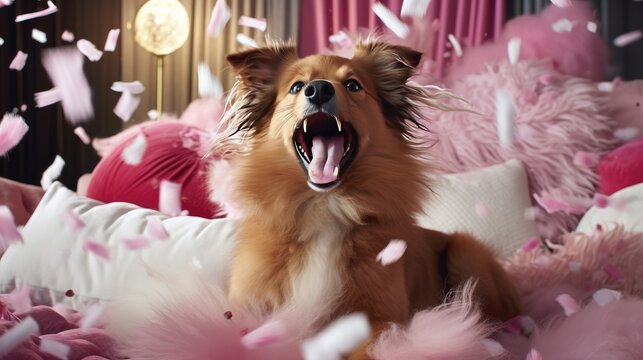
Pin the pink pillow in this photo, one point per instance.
(622, 167)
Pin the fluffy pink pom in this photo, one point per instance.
(12, 130)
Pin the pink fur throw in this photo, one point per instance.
(552, 123)
(578, 52)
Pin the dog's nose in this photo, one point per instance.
(319, 91)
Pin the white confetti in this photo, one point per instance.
(67, 36)
(39, 36)
(414, 8)
(82, 135)
(337, 339)
(208, 84)
(505, 113)
(592, 27)
(126, 106)
(134, 87)
(626, 133)
(219, 18)
(562, 3)
(19, 61)
(112, 40)
(605, 86)
(246, 41)
(133, 153)
(456, 45)
(259, 24)
(390, 20)
(152, 114)
(52, 173)
(340, 38)
(606, 296)
(55, 348)
(628, 38)
(513, 49)
(170, 198)
(18, 334)
(51, 8)
(392, 252)
(88, 49)
(563, 25)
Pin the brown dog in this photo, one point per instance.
(328, 175)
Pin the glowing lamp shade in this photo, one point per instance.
(162, 26)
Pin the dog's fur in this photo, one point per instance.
(318, 249)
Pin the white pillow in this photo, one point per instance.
(625, 207)
(488, 203)
(51, 259)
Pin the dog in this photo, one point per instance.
(328, 173)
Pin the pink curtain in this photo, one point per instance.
(472, 22)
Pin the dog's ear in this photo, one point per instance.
(256, 89)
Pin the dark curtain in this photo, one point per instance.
(49, 133)
(617, 17)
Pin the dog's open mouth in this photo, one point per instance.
(325, 145)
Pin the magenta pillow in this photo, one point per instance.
(621, 168)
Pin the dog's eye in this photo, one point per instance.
(352, 85)
(296, 87)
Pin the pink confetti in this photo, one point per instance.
(613, 272)
(88, 49)
(65, 68)
(18, 334)
(554, 201)
(52, 172)
(97, 249)
(531, 244)
(259, 24)
(136, 242)
(482, 210)
(533, 353)
(73, 221)
(392, 252)
(19, 61)
(569, 305)
(601, 201)
(219, 18)
(50, 10)
(19, 300)
(12, 129)
(55, 348)
(82, 135)
(67, 36)
(156, 229)
(270, 333)
(170, 198)
(493, 347)
(390, 20)
(92, 316)
(628, 38)
(47, 97)
(585, 159)
(112, 40)
(605, 296)
(9, 233)
(126, 106)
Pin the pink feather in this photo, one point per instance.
(73, 221)
(97, 249)
(136, 242)
(19, 61)
(12, 129)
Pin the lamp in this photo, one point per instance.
(161, 27)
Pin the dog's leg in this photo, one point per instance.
(467, 259)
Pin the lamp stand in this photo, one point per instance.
(159, 84)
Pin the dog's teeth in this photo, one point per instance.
(336, 171)
(339, 124)
(305, 125)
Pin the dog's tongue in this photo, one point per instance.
(327, 153)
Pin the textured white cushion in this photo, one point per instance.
(488, 203)
(625, 207)
(51, 259)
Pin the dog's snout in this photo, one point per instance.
(319, 91)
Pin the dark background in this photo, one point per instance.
(50, 134)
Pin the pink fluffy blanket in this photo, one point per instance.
(582, 301)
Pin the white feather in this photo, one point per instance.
(18, 334)
(606, 296)
(456, 45)
(133, 153)
(563, 25)
(52, 173)
(414, 8)
(209, 85)
(513, 49)
(390, 20)
(245, 40)
(337, 339)
(505, 114)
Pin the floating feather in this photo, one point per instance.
(55, 348)
(82, 135)
(569, 305)
(170, 198)
(392, 252)
(51, 8)
(19, 300)
(52, 172)
(208, 84)
(92, 316)
(246, 41)
(134, 87)
(390, 20)
(67, 36)
(9, 233)
(112, 40)
(47, 97)
(414, 8)
(505, 115)
(259, 24)
(219, 18)
(12, 129)
(513, 49)
(271, 333)
(456, 45)
(562, 3)
(17, 335)
(39, 36)
(133, 153)
(89, 50)
(605, 296)
(19, 61)
(337, 339)
(628, 38)
(126, 106)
